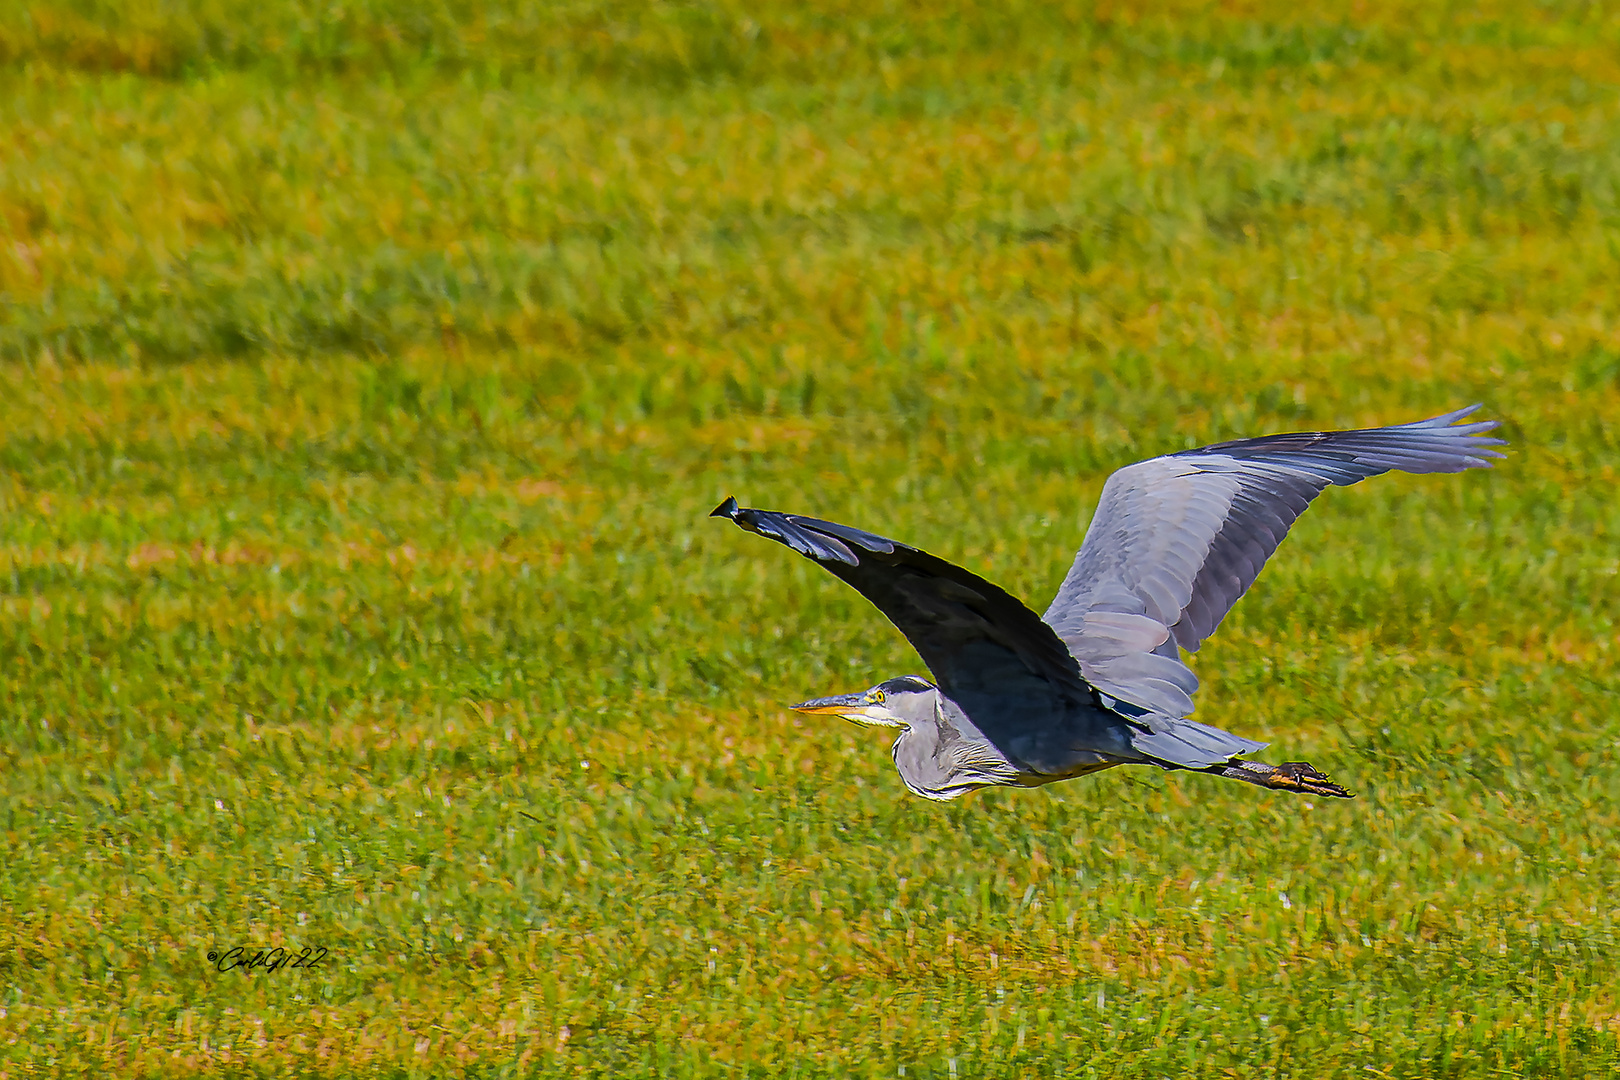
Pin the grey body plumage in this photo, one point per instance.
(1098, 681)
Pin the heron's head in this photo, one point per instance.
(902, 702)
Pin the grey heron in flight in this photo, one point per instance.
(1023, 700)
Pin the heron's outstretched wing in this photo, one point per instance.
(1177, 539)
(978, 640)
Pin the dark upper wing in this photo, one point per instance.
(1177, 539)
(977, 639)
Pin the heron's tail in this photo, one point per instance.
(1187, 743)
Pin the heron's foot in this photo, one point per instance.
(1299, 776)
(1295, 776)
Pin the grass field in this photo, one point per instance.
(367, 370)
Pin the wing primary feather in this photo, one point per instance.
(978, 640)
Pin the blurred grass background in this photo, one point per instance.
(367, 368)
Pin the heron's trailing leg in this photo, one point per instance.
(1295, 776)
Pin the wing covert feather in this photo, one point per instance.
(1176, 540)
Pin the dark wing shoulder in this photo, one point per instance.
(978, 640)
(1176, 540)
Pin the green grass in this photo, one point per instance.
(366, 373)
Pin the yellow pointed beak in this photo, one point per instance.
(838, 705)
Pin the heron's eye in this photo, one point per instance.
(877, 697)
